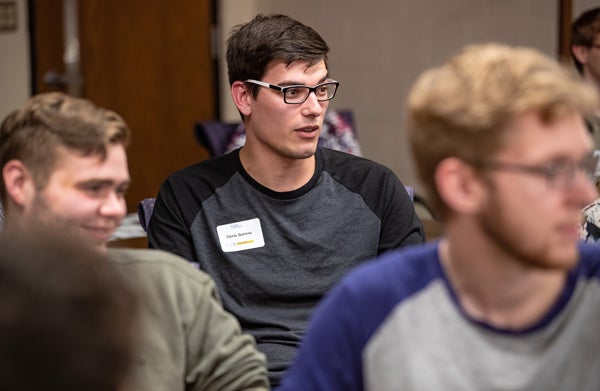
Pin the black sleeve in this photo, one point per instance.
(400, 225)
(168, 228)
(384, 193)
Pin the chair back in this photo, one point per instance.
(339, 132)
(145, 208)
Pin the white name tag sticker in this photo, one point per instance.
(242, 235)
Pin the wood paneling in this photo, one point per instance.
(565, 15)
(47, 41)
(151, 62)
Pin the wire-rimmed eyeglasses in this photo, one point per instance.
(297, 94)
(559, 173)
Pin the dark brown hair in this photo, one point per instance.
(253, 45)
(583, 32)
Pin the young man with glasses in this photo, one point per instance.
(279, 221)
(64, 166)
(508, 299)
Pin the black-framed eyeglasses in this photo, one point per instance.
(297, 94)
(558, 174)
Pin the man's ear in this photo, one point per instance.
(18, 182)
(242, 97)
(459, 186)
(580, 52)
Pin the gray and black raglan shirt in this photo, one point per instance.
(273, 255)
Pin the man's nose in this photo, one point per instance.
(312, 106)
(114, 206)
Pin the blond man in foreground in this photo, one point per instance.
(508, 299)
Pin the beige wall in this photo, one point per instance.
(580, 6)
(379, 47)
(14, 63)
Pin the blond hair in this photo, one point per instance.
(463, 107)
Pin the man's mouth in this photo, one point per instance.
(100, 232)
(308, 129)
(571, 230)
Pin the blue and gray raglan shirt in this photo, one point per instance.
(274, 254)
(395, 324)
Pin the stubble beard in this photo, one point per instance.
(42, 215)
(516, 245)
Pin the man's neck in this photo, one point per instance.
(494, 288)
(276, 172)
(594, 81)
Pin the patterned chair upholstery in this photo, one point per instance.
(339, 132)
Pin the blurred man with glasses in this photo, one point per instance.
(585, 51)
(279, 221)
(508, 299)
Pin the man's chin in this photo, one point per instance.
(96, 240)
(101, 247)
(97, 245)
(306, 154)
(563, 260)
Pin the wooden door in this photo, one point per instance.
(151, 62)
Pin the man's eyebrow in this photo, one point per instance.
(287, 83)
(126, 183)
(103, 182)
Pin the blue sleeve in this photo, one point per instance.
(331, 354)
(590, 260)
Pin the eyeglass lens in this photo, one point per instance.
(564, 174)
(298, 94)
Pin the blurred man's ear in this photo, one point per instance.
(580, 52)
(18, 182)
(459, 186)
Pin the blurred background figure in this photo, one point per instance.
(66, 317)
(585, 50)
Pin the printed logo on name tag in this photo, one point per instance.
(242, 235)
